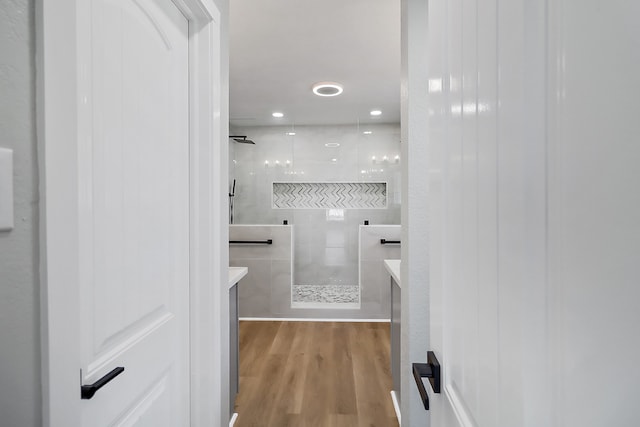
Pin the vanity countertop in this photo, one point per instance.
(235, 274)
(393, 267)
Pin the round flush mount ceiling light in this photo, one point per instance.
(277, 115)
(327, 89)
(375, 112)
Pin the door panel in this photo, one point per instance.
(151, 408)
(484, 259)
(534, 211)
(134, 212)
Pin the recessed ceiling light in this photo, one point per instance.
(277, 115)
(334, 160)
(367, 132)
(332, 144)
(375, 112)
(291, 133)
(327, 89)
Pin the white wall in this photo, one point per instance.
(594, 211)
(19, 285)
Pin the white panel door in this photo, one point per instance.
(487, 207)
(134, 211)
(533, 212)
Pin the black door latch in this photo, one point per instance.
(430, 370)
(87, 391)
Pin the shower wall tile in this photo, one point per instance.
(270, 268)
(281, 278)
(334, 256)
(281, 233)
(375, 296)
(370, 247)
(335, 237)
(240, 251)
(326, 250)
(374, 279)
(255, 288)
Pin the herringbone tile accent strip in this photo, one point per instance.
(329, 195)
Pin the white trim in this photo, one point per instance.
(396, 407)
(57, 135)
(57, 111)
(301, 319)
(458, 407)
(209, 320)
(6, 189)
(415, 314)
(360, 263)
(326, 305)
(234, 417)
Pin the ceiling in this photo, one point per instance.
(280, 48)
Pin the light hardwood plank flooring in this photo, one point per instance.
(314, 374)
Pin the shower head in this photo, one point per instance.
(241, 139)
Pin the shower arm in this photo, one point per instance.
(241, 139)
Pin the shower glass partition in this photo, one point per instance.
(324, 181)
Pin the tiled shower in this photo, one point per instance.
(324, 182)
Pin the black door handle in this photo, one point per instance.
(430, 370)
(87, 391)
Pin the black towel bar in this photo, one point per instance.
(251, 242)
(389, 242)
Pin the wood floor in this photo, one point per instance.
(314, 374)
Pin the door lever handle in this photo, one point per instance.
(87, 391)
(430, 370)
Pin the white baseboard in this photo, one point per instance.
(300, 319)
(233, 419)
(325, 305)
(396, 407)
(456, 402)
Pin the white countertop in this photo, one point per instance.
(235, 274)
(393, 267)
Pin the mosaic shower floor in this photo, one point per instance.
(332, 294)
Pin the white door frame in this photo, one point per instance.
(58, 80)
(414, 270)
